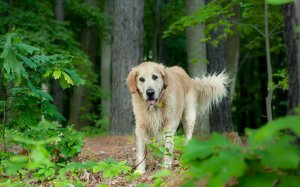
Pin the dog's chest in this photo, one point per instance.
(156, 121)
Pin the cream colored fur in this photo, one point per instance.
(178, 97)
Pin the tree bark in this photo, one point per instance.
(106, 49)
(158, 42)
(292, 42)
(127, 49)
(196, 53)
(58, 94)
(220, 116)
(81, 102)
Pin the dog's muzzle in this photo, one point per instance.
(150, 96)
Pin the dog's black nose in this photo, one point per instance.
(150, 92)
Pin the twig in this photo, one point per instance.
(145, 155)
(257, 29)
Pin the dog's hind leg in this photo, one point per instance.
(189, 115)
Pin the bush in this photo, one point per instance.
(29, 119)
(271, 157)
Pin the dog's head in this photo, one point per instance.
(148, 79)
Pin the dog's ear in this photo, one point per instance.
(131, 80)
(163, 71)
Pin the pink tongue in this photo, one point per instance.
(151, 102)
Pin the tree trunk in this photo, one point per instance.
(127, 49)
(269, 66)
(106, 48)
(196, 53)
(158, 42)
(292, 41)
(232, 52)
(58, 94)
(220, 116)
(81, 102)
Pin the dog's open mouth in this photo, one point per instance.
(151, 101)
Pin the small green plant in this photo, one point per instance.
(159, 178)
(283, 82)
(44, 172)
(111, 168)
(37, 162)
(271, 159)
(156, 149)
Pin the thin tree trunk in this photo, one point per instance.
(196, 52)
(269, 66)
(292, 40)
(81, 102)
(57, 90)
(106, 49)
(127, 52)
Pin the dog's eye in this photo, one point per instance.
(154, 77)
(142, 79)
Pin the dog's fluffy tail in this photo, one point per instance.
(211, 90)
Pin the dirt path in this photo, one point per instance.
(116, 147)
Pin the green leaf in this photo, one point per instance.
(27, 61)
(102, 185)
(10, 62)
(68, 78)
(75, 77)
(44, 95)
(279, 2)
(162, 173)
(19, 159)
(18, 90)
(63, 83)
(47, 74)
(222, 167)
(282, 154)
(258, 180)
(27, 48)
(267, 132)
(57, 73)
(40, 58)
(142, 185)
(289, 181)
(201, 150)
(51, 110)
(39, 154)
(108, 174)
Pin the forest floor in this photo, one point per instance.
(121, 148)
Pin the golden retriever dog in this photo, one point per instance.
(164, 96)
